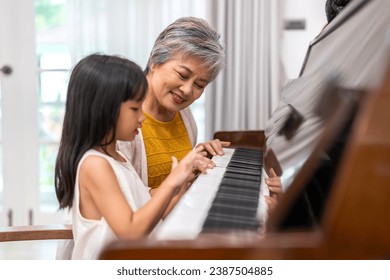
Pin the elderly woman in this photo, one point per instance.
(185, 58)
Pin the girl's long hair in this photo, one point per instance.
(97, 87)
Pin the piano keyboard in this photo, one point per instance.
(226, 198)
(235, 204)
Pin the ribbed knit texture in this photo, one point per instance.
(163, 140)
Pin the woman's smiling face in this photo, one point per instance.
(177, 83)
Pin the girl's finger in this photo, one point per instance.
(272, 172)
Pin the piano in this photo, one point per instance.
(346, 149)
(219, 200)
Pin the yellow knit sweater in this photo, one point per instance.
(163, 140)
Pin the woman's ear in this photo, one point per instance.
(152, 67)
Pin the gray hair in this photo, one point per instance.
(189, 36)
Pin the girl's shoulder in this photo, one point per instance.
(95, 161)
(99, 162)
(94, 156)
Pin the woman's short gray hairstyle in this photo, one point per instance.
(189, 36)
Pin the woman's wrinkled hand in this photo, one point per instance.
(214, 147)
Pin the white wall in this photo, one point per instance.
(296, 42)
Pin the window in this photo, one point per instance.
(69, 30)
(33, 97)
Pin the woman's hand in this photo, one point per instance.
(214, 147)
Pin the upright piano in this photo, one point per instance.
(329, 137)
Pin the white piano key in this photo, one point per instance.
(223, 161)
(186, 219)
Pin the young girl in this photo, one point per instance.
(106, 196)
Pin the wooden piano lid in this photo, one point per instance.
(301, 205)
(253, 139)
(357, 216)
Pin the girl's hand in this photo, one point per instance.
(183, 172)
(214, 147)
(275, 190)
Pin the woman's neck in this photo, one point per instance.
(153, 107)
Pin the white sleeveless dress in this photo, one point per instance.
(91, 236)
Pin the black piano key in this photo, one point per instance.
(240, 151)
(238, 196)
(234, 190)
(238, 167)
(243, 177)
(240, 183)
(218, 222)
(231, 210)
(245, 161)
(247, 164)
(247, 157)
(225, 201)
(241, 170)
(235, 204)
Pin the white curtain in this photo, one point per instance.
(124, 27)
(128, 28)
(245, 93)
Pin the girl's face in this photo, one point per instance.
(130, 120)
(177, 83)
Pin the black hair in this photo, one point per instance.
(97, 87)
(334, 7)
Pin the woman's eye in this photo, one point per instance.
(199, 86)
(182, 75)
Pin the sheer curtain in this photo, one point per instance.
(128, 28)
(124, 27)
(247, 90)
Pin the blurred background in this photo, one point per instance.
(41, 40)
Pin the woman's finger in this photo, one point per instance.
(225, 143)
